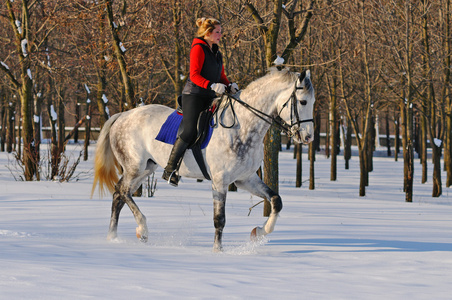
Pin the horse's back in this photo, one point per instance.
(134, 132)
(144, 119)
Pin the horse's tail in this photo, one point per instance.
(106, 166)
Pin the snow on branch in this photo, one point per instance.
(24, 43)
(4, 65)
(53, 113)
(19, 26)
(278, 61)
(122, 47)
(87, 89)
(437, 142)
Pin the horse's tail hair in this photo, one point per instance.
(106, 166)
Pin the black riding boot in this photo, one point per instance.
(170, 172)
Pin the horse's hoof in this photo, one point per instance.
(253, 235)
(111, 237)
(217, 249)
(141, 237)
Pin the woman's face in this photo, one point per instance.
(215, 36)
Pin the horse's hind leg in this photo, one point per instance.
(255, 186)
(142, 229)
(129, 189)
(123, 195)
(116, 207)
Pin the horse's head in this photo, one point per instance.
(297, 110)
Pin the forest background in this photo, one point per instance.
(376, 65)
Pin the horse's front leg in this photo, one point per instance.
(257, 187)
(219, 218)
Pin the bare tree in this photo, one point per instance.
(271, 36)
(23, 82)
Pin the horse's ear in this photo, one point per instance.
(302, 76)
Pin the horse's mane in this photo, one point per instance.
(272, 78)
(271, 83)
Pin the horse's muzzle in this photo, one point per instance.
(304, 136)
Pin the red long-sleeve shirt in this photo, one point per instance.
(196, 64)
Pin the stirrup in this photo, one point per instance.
(173, 178)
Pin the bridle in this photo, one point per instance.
(292, 128)
(289, 129)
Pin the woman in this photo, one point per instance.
(206, 79)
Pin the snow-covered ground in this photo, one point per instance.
(328, 243)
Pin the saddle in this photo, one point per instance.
(173, 126)
(204, 128)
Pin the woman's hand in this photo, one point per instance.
(234, 88)
(219, 88)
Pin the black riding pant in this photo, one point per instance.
(192, 106)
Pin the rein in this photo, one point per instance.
(288, 129)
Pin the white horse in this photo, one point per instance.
(127, 144)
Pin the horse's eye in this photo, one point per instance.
(303, 102)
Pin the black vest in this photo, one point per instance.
(211, 70)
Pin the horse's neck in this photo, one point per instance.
(250, 123)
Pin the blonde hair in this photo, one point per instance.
(206, 25)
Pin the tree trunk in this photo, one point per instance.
(403, 126)
(348, 144)
(436, 159)
(362, 173)
(87, 129)
(333, 130)
(327, 137)
(10, 127)
(37, 129)
(272, 144)
(311, 166)
(232, 188)
(397, 136)
(29, 152)
(388, 136)
(77, 119)
(446, 92)
(101, 99)
(425, 101)
(423, 145)
(434, 109)
(299, 179)
(409, 153)
(2, 120)
(119, 53)
(24, 87)
(53, 138)
(175, 76)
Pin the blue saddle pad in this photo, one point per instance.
(168, 131)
